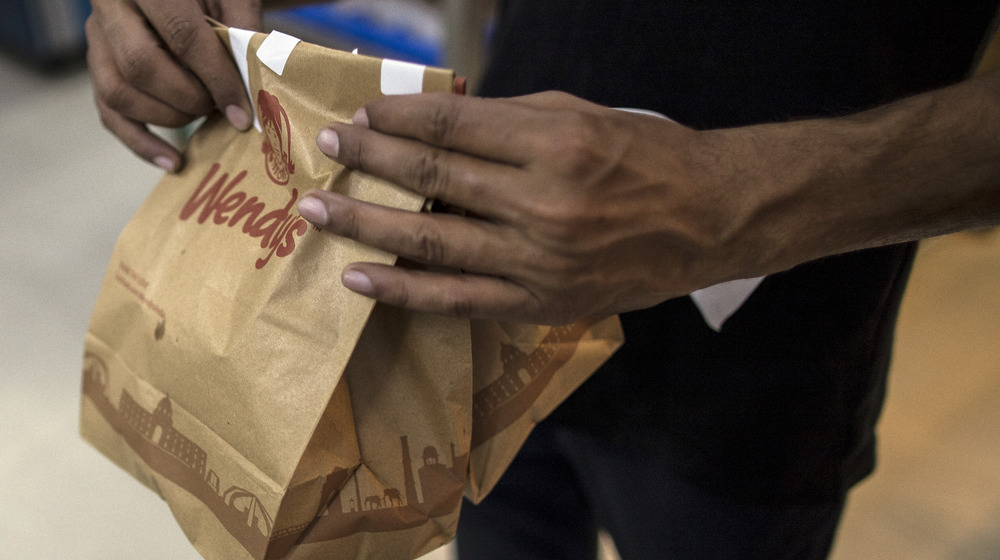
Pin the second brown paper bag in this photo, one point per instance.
(277, 413)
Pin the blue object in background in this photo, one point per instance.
(47, 32)
(362, 30)
(44, 32)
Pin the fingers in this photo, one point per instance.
(473, 153)
(119, 95)
(440, 240)
(570, 194)
(140, 140)
(461, 295)
(491, 128)
(124, 40)
(169, 52)
(123, 109)
(161, 63)
(474, 184)
(435, 239)
(182, 26)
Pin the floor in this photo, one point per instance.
(67, 189)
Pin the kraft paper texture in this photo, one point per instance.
(278, 414)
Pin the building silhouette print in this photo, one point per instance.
(346, 504)
(157, 427)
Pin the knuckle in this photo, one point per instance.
(428, 175)
(427, 244)
(577, 150)
(355, 154)
(351, 225)
(134, 65)
(440, 125)
(342, 220)
(565, 271)
(393, 293)
(179, 34)
(564, 223)
(458, 306)
(117, 96)
(455, 302)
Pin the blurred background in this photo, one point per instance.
(67, 188)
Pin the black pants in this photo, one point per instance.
(564, 485)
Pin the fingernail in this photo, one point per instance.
(313, 209)
(357, 281)
(237, 117)
(328, 142)
(361, 117)
(167, 164)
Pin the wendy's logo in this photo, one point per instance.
(277, 146)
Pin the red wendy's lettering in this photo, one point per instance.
(220, 201)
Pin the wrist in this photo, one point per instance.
(763, 179)
(920, 167)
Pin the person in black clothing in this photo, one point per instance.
(809, 143)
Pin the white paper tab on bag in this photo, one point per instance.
(401, 78)
(275, 50)
(718, 303)
(239, 42)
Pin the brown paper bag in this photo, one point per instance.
(277, 413)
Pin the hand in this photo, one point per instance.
(160, 62)
(575, 210)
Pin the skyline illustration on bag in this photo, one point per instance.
(170, 453)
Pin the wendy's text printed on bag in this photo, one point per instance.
(226, 206)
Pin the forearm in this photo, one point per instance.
(582, 211)
(920, 167)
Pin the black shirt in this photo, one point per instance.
(780, 406)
